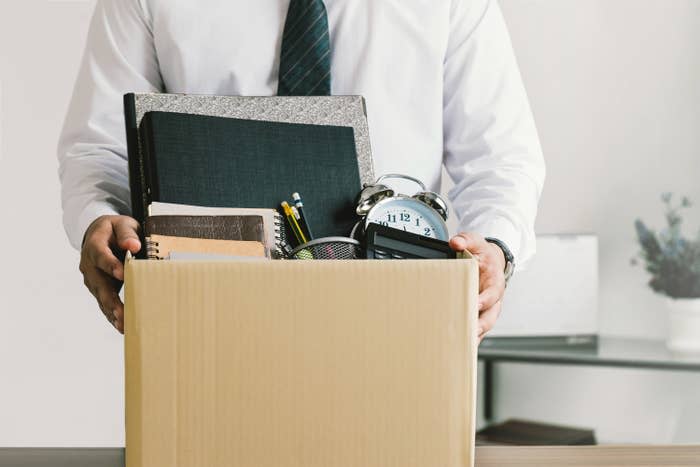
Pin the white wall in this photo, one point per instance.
(614, 89)
(61, 368)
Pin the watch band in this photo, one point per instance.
(510, 259)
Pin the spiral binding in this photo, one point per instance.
(280, 236)
(152, 251)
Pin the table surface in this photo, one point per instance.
(611, 351)
(486, 456)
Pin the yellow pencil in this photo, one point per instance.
(298, 233)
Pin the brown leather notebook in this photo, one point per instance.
(249, 228)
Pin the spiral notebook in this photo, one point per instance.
(163, 246)
(263, 226)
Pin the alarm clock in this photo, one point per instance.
(424, 213)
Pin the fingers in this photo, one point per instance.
(119, 316)
(102, 270)
(96, 250)
(126, 238)
(488, 318)
(105, 290)
(126, 233)
(492, 281)
(118, 231)
(491, 267)
(491, 276)
(103, 258)
(492, 289)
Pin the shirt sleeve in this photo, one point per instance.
(119, 58)
(491, 147)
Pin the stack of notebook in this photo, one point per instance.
(178, 231)
(178, 155)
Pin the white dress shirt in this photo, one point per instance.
(439, 76)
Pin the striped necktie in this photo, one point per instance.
(305, 59)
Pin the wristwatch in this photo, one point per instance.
(510, 259)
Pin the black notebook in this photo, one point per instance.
(226, 162)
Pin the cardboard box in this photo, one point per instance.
(301, 363)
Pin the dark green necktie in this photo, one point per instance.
(305, 59)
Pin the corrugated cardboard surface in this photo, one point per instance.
(301, 363)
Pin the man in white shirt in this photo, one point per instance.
(440, 79)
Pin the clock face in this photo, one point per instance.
(409, 215)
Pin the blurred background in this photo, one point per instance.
(614, 89)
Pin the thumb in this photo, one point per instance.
(465, 241)
(126, 234)
(458, 243)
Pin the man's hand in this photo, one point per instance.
(103, 272)
(492, 282)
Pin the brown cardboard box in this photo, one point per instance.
(301, 363)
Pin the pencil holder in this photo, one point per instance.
(328, 248)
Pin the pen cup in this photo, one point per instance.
(328, 248)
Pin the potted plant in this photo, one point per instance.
(673, 261)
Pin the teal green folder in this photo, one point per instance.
(226, 162)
